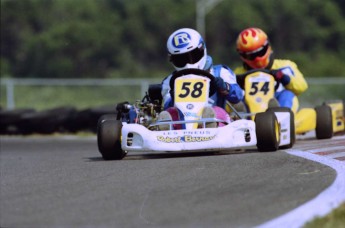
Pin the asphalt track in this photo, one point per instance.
(63, 182)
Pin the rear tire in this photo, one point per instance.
(324, 124)
(109, 138)
(267, 131)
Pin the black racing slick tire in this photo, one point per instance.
(267, 131)
(324, 124)
(109, 138)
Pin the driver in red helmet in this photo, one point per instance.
(255, 51)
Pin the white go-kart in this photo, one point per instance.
(135, 127)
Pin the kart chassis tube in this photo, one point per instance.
(203, 121)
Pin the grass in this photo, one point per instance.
(41, 98)
(335, 219)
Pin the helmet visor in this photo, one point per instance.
(258, 53)
(180, 60)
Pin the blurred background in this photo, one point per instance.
(89, 53)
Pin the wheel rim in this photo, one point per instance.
(277, 130)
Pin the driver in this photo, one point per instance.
(255, 51)
(186, 50)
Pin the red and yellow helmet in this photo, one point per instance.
(253, 46)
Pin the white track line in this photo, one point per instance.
(322, 204)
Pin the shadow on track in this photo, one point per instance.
(167, 155)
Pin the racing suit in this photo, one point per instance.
(229, 91)
(291, 84)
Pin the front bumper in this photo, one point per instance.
(238, 134)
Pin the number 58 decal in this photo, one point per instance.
(190, 90)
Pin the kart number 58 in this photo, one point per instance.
(190, 90)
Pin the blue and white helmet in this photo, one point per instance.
(187, 49)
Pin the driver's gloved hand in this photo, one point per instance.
(222, 87)
(277, 74)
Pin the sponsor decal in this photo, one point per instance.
(190, 106)
(196, 132)
(186, 132)
(170, 133)
(339, 117)
(189, 138)
(260, 77)
(191, 114)
(186, 138)
(181, 40)
(168, 139)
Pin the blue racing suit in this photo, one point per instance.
(227, 89)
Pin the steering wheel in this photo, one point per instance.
(198, 72)
(241, 77)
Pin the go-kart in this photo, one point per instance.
(259, 86)
(136, 127)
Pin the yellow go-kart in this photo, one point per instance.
(259, 86)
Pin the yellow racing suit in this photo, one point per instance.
(291, 84)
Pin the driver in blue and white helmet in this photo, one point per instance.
(186, 50)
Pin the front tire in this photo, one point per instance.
(267, 131)
(292, 125)
(109, 139)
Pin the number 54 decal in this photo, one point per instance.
(260, 85)
(257, 86)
